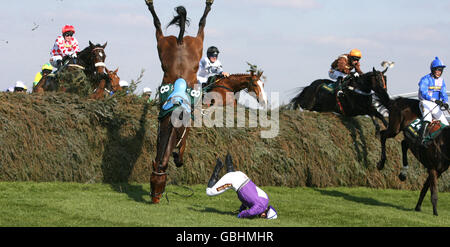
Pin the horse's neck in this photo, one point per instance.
(83, 58)
(362, 83)
(236, 83)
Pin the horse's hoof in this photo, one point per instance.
(149, 2)
(418, 209)
(155, 200)
(402, 177)
(380, 165)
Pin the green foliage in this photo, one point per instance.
(64, 137)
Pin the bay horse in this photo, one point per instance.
(90, 60)
(434, 156)
(103, 87)
(235, 83)
(357, 99)
(180, 57)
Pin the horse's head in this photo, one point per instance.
(256, 85)
(114, 80)
(98, 56)
(378, 80)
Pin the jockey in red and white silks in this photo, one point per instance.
(432, 93)
(65, 45)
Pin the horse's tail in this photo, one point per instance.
(181, 21)
(296, 102)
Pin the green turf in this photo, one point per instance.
(60, 204)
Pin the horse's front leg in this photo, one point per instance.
(178, 157)
(423, 192)
(404, 172)
(165, 144)
(156, 22)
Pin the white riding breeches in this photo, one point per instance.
(54, 60)
(431, 110)
(334, 74)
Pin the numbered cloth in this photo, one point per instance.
(177, 95)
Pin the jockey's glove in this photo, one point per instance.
(439, 103)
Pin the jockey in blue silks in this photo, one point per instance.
(433, 95)
(178, 97)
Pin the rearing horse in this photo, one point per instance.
(180, 57)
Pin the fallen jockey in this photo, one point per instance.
(251, 196)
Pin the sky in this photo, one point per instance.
(293, 41)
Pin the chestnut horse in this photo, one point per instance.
(103, 86)
(434, 156)
(180, 57)
(235, 83)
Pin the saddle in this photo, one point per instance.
(432, 130)
(177, 95)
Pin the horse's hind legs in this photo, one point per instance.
(434, 190)
(423, 192)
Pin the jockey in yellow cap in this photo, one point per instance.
(343, 66)
(45, 70)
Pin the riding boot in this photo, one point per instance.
(339, 83)
(215, 175)
(423, 133)
(229, 163)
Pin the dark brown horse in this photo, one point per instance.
(180, 57)
(218, 92)
(357, 99)
(90, 60)
(434, 156)
(104, 88)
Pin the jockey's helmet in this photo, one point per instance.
(355, 53)
(147, 90)
(47, 66)
(124, 84)
(212, 51)
(68, 28)
(436, 64)
(20, 84)
(271, 213)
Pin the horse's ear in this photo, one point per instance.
(107, 70)
(373, 70)
(115, 71)
(105, 45)
(384, 71)
(90, 44)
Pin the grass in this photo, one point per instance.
(58, 204)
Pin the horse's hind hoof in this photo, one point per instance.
(402, 177)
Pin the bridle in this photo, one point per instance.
(99, 64)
